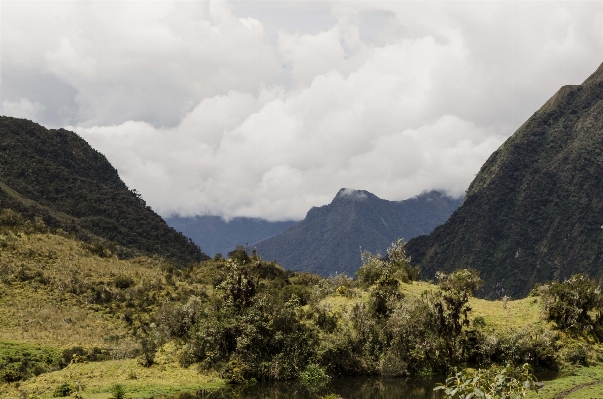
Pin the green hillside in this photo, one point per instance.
(56, 176)
(534, 211)
(73, 320)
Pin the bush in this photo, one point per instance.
(535, 346)
(313, 372)
(118, 391)
(570, 303)
(123, 282)
(65, 389)
(395, 265)
(10, 218)
(20, 361)
(504, 383)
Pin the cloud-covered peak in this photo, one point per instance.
(351, 194)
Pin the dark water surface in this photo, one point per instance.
(348, 388)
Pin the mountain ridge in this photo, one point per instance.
(331, 237)
(53, 174)
(533, 212)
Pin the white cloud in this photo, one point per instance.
(203, 111)
(138, 61)
(22, 108)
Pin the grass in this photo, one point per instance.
(97, 378)
(44, 310)
(575, 378)
(39, 309)
(27, 315)
(41, 313)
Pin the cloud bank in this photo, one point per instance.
(225, 109)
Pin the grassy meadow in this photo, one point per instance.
(68, 315)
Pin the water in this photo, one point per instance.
(348, 388)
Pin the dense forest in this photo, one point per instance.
(56, 176)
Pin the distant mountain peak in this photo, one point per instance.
(352, 194)
(329, 239)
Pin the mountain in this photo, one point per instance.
(56, 176)
(535, 209)
(330, 238)
(216, 235)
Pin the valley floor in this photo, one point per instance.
(56, 296)
(95, 380)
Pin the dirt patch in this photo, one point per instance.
(577, 388)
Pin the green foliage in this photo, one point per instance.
(54, 178)
(239, 255)
(383, 296)
(10, 218)
(238, 287)
(503, 383)
(255, 321)
(22, 361)
(571, 304)
(450, 308)
(394, 266)
(148, 348)
(314, 373)
(64, 389)
(118, 391)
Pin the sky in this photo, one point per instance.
(267, 108)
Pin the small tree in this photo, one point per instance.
(572, 303)
(451, 307)
(395, 265)
(238, 286)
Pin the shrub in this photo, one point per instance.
(10, 218)
(148, 346)
(64, 389)
(118, 391)
(383, 296)
(312, 373)
(123, 282)
(238, 287)
(504, 383)
(395, 265)
(570, 303)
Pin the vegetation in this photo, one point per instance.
(503, 383)
(54, 176)
(575, 304)
(72, 319)
(533, 212)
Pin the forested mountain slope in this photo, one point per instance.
(57, 176)
(331, 237)
(534, 212)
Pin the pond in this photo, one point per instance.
(348, 388)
